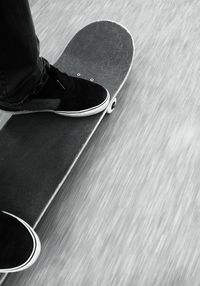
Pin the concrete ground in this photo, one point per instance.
(129, 214)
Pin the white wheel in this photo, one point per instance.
(112, 105)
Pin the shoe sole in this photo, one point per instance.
(82, 113)
(35, 252)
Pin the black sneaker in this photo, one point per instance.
(19, 244)
(64, 95)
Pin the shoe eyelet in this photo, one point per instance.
(92, 79)
(78, 74)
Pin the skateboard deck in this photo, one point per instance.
(38, 151)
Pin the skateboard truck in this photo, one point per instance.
(112, 105)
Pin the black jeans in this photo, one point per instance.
(21, 68)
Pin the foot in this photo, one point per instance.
(19, 244)
(64, 95)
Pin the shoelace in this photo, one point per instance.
(55, 72)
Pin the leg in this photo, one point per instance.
(21, 68)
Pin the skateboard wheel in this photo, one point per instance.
(112, 105)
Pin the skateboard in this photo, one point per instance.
(38, 151)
